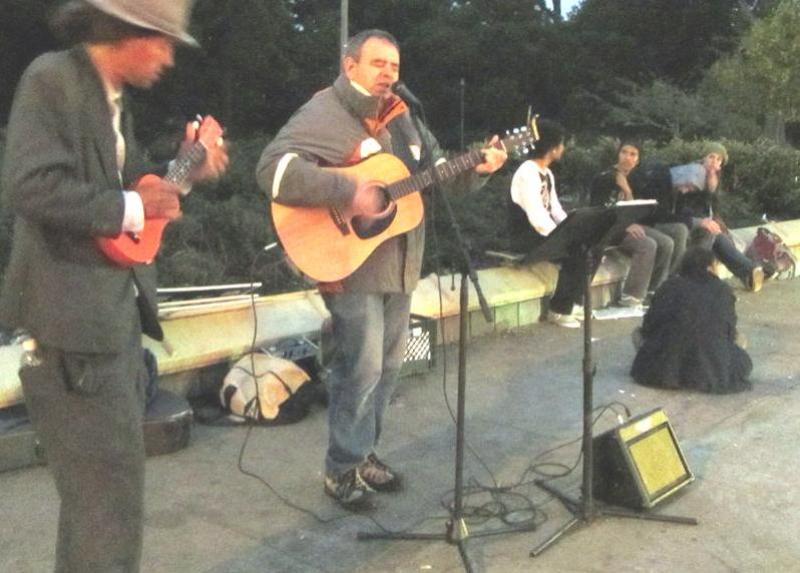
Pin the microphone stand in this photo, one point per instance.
(456, 530)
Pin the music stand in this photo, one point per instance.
(588, 230)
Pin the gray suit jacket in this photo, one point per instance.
(60, 179)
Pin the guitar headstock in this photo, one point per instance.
(522, 139)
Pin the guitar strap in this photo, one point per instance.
(147, 311)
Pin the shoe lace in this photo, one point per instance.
(374, 461)
(375, 470)
(352, 480)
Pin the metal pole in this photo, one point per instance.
(463, 84)
(343, 31)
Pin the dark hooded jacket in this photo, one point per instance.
(689, 339)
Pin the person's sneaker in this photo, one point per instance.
(349, 490)
(578, 312)
(755, 280)
(378, 475)
(564, 320)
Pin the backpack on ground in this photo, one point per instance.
(280, 392)
(769, 251)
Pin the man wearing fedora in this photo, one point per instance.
(70, 176)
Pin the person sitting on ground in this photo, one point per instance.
(651, 251)
(688, 337)
(535, 213)
(690, 193)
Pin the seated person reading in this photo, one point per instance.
(535, 213)
(690, 193)
(688, 337)
(651, 250)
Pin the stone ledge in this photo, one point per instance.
(203, 337)
(515, 294)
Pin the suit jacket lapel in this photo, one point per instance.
(98, 118)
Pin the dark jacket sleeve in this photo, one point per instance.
(602, 189)
(41, 174)
(654, 182)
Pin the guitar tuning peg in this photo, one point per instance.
(524, 129)
(516, 130)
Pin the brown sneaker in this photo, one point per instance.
(378, 475)
(349, 490)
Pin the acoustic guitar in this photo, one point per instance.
(128, 249)
(328, 244)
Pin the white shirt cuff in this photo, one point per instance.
(133, 219)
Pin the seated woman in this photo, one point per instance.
(688, 338)
(651, 250)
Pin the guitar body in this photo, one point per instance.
(328, 245)
(127, 249)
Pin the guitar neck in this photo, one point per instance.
(179, 169)
(438, 173)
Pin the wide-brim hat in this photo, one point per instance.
(169, 17)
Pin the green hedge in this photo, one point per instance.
(226, 224)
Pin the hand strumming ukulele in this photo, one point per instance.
(128, 249)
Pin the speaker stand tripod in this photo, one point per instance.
(584, 510)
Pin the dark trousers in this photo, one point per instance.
(87, 410)
(725, 250)
(570, 286)
(729, 255)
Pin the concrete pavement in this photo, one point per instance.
(523, 397)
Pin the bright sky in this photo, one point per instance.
(568, 5)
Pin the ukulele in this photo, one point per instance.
(127, 248)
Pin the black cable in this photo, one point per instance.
(529, 515)
(251, 423)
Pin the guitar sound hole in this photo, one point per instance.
(366, 227)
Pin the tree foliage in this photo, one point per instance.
(612, 67)
(763, 76)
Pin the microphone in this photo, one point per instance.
(400, 89)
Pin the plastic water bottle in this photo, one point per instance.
(30, 353)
